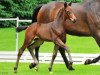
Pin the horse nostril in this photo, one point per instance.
(74, 20)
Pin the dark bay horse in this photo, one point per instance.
(88, 21)
(53, 32)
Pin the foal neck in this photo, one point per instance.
(60, 19)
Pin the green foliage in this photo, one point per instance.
(75, 1)
(13, 8)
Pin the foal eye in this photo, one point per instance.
(68, 12)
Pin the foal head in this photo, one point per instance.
(68, 12)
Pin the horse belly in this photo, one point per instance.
(44, 34)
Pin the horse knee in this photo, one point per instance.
(54, 55)
(67, 50)
(29, 47)
(20, 52)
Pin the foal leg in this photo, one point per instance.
(61, 44)
(34, 45)
(69, 56)
(21, 50)
(34, 58)
(56, 47)
(62, 51)
(27, 41)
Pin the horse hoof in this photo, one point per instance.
(88, 61)
(71, 68)
(36, 69)
(15, 70)
(50, 69)
(32, 65)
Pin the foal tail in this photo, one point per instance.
(21, 28)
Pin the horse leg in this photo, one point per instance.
(30, 48)
(53, 57)
(89, 61)
(32, 65)
(62, 51)
(95, 34)
(61, 44)
(34, 45)
(69, 56)
(37, 53)
(27, 41)
(21, 50)
(97, 38)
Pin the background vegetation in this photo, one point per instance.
(19, 8)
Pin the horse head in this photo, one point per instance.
(69, 12)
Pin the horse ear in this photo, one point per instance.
(70, 3)
(65, 4)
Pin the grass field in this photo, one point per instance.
(58, 69)
(76, 44)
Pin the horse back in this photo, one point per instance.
(50, 11)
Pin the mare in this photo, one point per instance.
(88, 21)
(52, 32)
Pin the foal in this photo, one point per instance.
(53, 32)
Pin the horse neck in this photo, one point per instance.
(60, 19)
(93, 7)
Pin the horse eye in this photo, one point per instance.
(68, 12)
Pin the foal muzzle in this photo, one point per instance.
(73, 20)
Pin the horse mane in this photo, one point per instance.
(60, 12)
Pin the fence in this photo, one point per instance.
(46, 57)
(17, 24)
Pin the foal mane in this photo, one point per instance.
(60, 13)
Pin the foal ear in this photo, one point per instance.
(65, 4)
(70, 3)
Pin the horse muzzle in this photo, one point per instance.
(73, 20)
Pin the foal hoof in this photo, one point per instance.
(88, 61)
(15, 70)
(36, 69)
(32, 65)
(50, 69)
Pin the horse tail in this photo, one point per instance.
(35, 12)
(21, 28)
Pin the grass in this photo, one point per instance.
(58, 69)
(76, 44)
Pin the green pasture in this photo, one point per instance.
(58, 69)
(76, 44)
